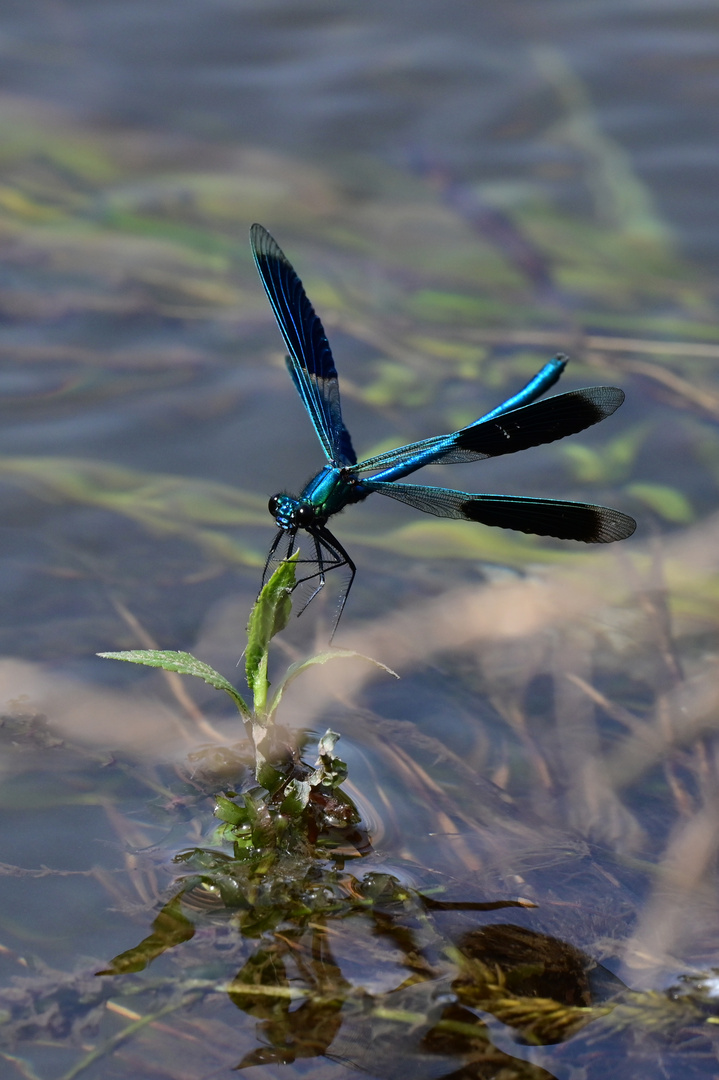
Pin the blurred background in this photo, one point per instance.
(465, 189)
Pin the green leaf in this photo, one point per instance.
(229, 811)
(261, 825)
(297, 795)
(266, 774)
(268, 617)
(183, 663)
(321, 658)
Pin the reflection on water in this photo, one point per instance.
(560, 917)
(540, 788)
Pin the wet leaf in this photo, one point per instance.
(183, 663)
(269, 616)
(320, 658)
(297, 795)
(231, 812)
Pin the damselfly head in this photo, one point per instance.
(290, 513)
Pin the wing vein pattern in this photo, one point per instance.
(531, 425)
(310, 361)
(541, 517)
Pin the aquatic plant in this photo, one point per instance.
(290, 802)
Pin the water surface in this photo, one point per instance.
(464, 194)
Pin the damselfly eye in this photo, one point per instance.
(273, 505)
(305, 515)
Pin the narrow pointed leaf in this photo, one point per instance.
(183, 663)
(321, 658)
(268, 617)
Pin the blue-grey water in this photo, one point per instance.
(465, 188)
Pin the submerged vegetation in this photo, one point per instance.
(286, 912)
(290, 804)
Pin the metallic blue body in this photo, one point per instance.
(519, 422)
(331, 490)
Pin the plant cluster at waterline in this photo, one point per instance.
(283, 804)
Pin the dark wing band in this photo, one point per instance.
(542, 517)
(310, 358)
